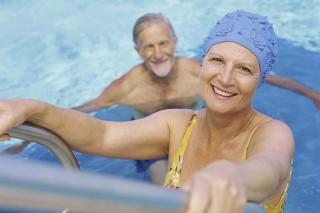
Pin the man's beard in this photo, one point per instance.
(162, 69)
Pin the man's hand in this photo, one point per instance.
(315, 97)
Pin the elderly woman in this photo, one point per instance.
(225, 154)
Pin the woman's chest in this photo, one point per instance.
(200, 154)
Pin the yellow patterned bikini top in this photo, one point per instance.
(174, 172)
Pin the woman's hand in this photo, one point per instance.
(4, 137)
(218, 188)
(12, 114)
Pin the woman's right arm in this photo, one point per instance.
(140, 139)
(74, 127)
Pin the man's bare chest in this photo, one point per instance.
(151, 98)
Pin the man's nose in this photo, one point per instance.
(158, 53)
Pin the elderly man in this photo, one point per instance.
(162, 81)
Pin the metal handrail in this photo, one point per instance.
(31, 185)
(54, 188)
(54, 143)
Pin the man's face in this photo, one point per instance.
(156, 46)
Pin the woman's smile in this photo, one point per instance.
(222, 93)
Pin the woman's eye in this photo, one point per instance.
(245, 69)
(215, 59)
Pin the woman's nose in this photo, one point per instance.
(226, 76)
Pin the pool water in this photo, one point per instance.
(66, 52)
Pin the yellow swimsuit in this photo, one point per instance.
(174, 172)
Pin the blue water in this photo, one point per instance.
(66, 52)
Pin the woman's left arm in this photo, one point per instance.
(269, 160)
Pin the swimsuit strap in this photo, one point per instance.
(248, 139)
(174, 172)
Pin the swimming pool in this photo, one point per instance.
(65, 52)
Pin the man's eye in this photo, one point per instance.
(148, 47)
(164, 43)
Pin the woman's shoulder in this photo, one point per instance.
(177, 119)
(272, 137)
(270, 124)
(272, 131)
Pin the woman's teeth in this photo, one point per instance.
(222, 92)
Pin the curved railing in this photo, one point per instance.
(33, 186)
(48, 139)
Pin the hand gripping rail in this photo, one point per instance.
(35, 186)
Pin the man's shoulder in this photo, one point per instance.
(186, 60)
(189, 65)
(132, 77)
(135, 71)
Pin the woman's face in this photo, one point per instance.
(229, 77)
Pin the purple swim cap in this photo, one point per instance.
(251, 31)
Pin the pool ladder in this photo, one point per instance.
(35, 186)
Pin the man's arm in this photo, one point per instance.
(296, 87)
(112, 94)
(16, 149)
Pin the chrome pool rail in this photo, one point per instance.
(34, 186)
(54, 143)
(39, 187)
